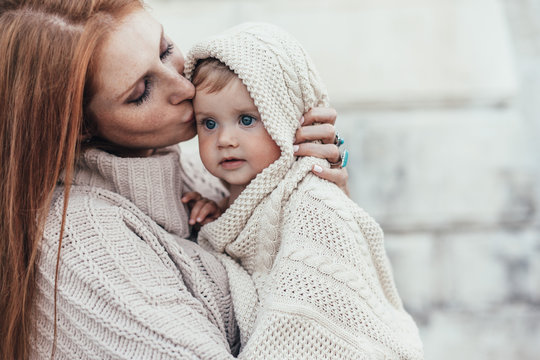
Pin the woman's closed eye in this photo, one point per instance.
(168, 51)
(147, 84)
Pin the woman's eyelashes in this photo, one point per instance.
(145, 94)
(168, 51)
(147, 82)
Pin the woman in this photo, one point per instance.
(93, 258)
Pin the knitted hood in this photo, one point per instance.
(283, 83)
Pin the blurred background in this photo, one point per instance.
(439, 105)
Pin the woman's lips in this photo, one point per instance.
(231, 164)
(188, 115)
(190, 119)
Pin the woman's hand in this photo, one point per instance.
(202, 209)
(323, 131)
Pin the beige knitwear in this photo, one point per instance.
(309, 275)
(129, 285)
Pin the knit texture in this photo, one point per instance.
(129, 285)
(309, 275)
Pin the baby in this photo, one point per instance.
(307, 268)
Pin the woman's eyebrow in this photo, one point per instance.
(129, 89)
(161, 38)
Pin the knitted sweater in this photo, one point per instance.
(309, 275)
(129, 285)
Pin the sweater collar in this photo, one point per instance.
(153, 184)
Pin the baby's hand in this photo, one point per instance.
(203, 210)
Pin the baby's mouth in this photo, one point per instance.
(231, 163)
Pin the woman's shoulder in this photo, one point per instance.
(106, 235)
(85, 199)
(92, 213)
(119, 268)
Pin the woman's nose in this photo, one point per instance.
(181, 89)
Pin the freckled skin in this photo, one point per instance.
(165, 117)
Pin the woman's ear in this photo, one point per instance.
(89, 129)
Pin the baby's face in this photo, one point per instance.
(233, 143)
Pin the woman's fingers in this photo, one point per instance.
(320, 115)
(317, 125)
(329, 152)
(322, 132)
(316, 138)
(338, 176)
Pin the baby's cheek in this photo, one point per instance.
(205, 151)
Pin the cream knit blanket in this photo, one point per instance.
(307, 268)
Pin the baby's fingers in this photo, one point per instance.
(191, 196)
(196, 211)
(203, 212)
(209, 212)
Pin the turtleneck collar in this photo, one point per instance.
(154, 184)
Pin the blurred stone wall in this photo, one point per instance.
(439, 103)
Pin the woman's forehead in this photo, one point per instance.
(128, 53)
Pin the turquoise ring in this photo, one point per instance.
(345, 158)
(342, 161)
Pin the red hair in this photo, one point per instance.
(47, 65)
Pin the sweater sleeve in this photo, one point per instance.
(120, 293)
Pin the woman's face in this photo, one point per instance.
(142, 101)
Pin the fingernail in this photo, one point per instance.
(317, 168)
(191, 222)
(301, 120)
(199, 219)
(295, 148)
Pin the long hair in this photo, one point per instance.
(48, 56)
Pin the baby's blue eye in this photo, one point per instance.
(209, 124)
(247, 120)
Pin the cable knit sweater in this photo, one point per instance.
(129, 285)
(308, 272)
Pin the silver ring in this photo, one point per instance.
(338, 141)
(342, 160)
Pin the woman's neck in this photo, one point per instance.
(117, 150)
